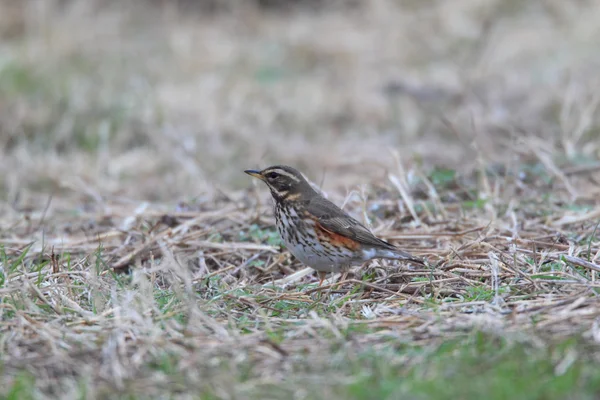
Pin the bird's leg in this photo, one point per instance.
(322, 275)
(344, 276)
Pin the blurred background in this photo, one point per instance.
(170, 100)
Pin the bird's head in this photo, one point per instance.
(284, 182)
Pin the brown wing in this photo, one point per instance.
(335, 220)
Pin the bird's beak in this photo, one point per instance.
(255, 174)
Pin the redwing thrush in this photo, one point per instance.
(316, 231)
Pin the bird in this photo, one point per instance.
(316, 231)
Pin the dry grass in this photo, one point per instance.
(124, 131)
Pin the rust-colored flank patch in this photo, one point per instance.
(335, 238)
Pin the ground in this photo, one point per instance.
(137, 260)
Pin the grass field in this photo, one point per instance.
(137, 260)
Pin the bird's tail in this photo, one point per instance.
(398, 254)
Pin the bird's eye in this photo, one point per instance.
(272, 175)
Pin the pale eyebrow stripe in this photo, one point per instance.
(282, 172)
